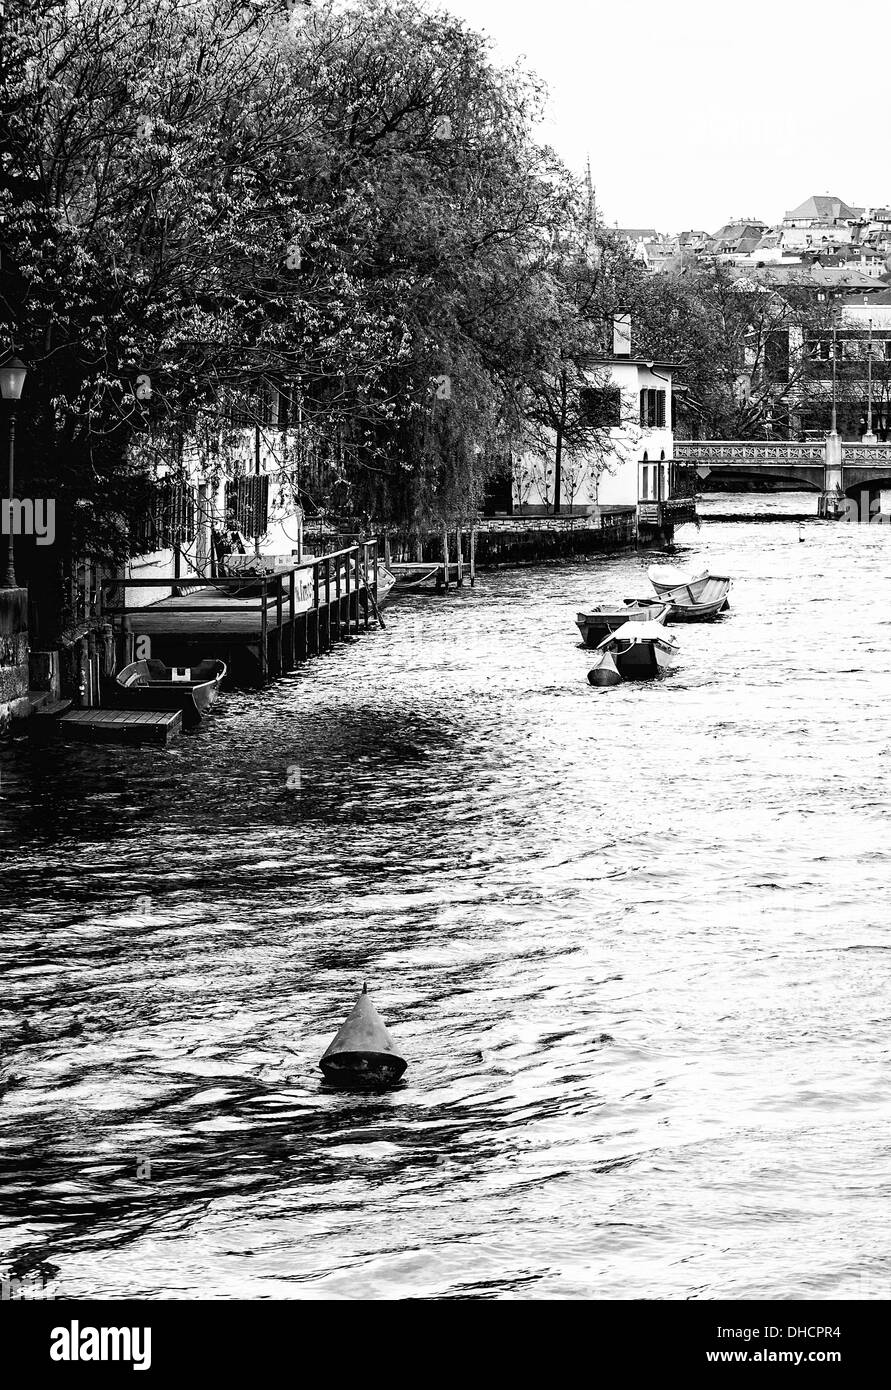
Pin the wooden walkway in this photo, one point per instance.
(121, 725)
(260, 626)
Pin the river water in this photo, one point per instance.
(634, 943)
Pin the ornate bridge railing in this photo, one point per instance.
(736, 451)
(731, 451)
(866, 453)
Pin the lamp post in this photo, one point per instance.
(833, 469)
(869, 437)
(12, 381)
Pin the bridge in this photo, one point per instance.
(834, 469)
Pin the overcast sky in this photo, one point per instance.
(694, 113)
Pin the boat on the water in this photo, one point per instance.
(423, 577)
(599, 622)
(255, 585)
(152, 685)
(635, 651)
(386, 584)
(693, 597)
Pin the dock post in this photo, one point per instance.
(376, 544)
(264, 633)
(291, 596)
(328, 602)
(359, 591)
(354, 561)
(445, 557)
(279, 619)
(337, 602)
(315, 611)
(348, 566)
(472, 555)
(459, 544)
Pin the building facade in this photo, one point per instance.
(634, 464)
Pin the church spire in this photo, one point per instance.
(592, 249)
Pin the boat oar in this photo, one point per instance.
(362, 1051)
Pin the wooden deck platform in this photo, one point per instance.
(121, 725)
(261, 626)
(211, 613)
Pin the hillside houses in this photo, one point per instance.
(824, 233)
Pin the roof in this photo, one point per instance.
(816, 277)
(638, 233)
(823, 208)
(607, 360)
(734, 231)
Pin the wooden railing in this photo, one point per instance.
(349, 574)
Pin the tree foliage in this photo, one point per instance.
(203, 199)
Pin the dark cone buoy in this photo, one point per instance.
(363, 1050)
(606, 672)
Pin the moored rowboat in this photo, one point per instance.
(152, 685)
(599, 622)
(693, 598)
(637, 651)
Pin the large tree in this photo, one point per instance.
(203, 199)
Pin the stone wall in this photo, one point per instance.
(13, 655)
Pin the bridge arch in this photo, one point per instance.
(858, 478)
(796, 477)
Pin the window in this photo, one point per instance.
(776, 355)
(652, 409)
(165, 516)
(247, 503)
(820, 349)
(601, 406)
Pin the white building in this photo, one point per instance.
(204, 499)
(636, 465)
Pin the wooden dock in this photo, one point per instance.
(261, 626)
(440, 559)
(121, 725)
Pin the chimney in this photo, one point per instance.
(621, 333)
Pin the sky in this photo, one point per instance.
(698, 113)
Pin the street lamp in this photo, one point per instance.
(869, 437)
(12, 381)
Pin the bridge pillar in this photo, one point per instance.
(832, 500)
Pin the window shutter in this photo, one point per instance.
(248, 496)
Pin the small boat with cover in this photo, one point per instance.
(599, 622)
(152, 685)
(636, 651)
(693, 598)
(363, 1052)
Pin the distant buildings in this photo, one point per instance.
(824, 231)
